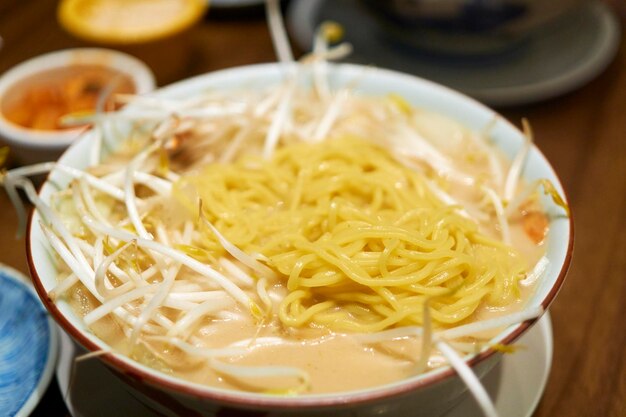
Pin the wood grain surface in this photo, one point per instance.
(582, 133)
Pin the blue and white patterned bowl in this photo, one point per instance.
(28, 345)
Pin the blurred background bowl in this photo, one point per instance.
(35, 93)
(532, 52)
(466, 27)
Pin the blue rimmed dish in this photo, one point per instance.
(28, 345)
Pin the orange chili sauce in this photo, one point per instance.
(41, 100)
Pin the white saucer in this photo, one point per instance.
(81, 385)
(556, 59)
(515, 384)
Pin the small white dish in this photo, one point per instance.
(80, 383)
(28, 345)
(556, 59)
(516, 383)
(30, 145)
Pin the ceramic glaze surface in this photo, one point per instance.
(25, 337)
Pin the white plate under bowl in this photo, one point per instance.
(516, 383)
(28, 345)
(556, 59)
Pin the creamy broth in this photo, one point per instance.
(335, 362)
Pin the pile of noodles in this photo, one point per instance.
(358, 238)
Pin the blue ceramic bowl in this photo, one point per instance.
(28, 345)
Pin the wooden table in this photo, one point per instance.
(582, 133)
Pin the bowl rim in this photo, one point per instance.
(140, 74)
(131, 369)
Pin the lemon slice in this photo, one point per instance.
(126, 22)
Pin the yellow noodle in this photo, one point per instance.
(358, 239)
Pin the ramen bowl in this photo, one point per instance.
(431, 393)
(38, 76)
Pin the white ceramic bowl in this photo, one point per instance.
(428, 394)
(30, 145)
